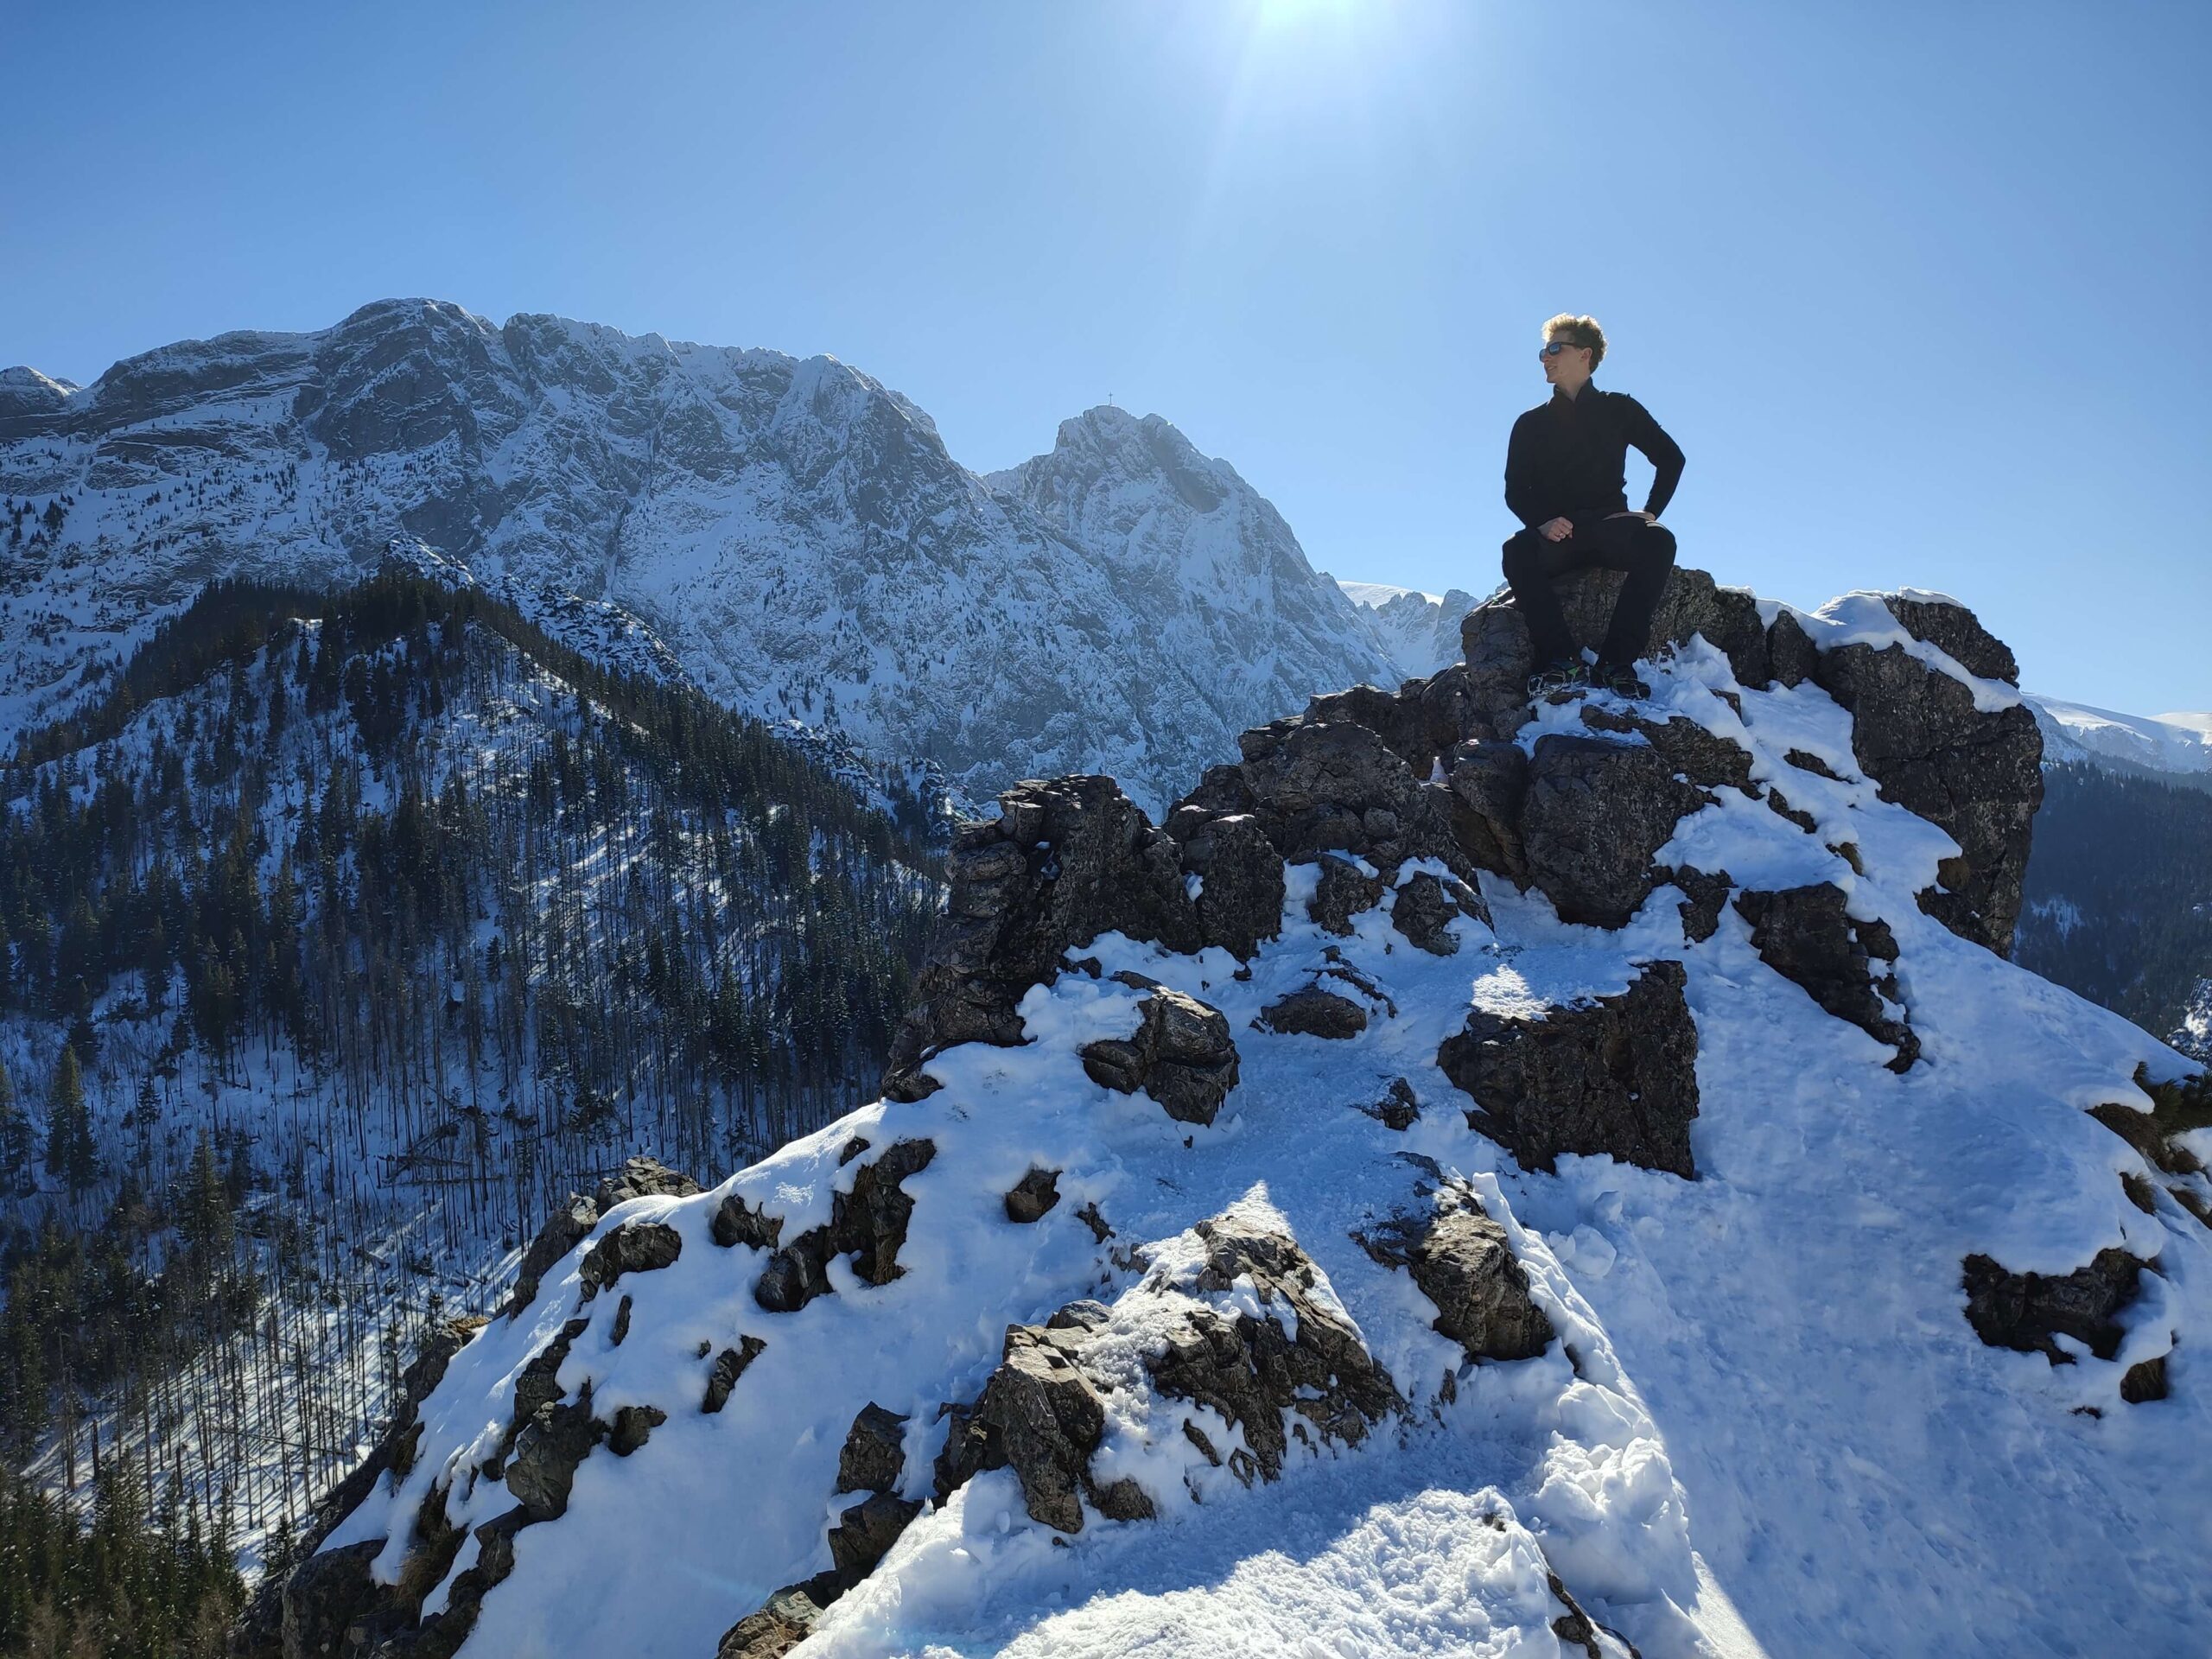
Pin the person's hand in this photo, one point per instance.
(1556, 530)
(1647, 517)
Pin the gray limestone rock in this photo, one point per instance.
(873, 1452)
(1460, 1259)
(1617, 1077)
(1033, 1197)
(1808, 935)
(634, 1247)
(1181, 1055)
(1598, 810)
(1314, 1012)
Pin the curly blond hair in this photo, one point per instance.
(1579, 331)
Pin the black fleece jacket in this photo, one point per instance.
(1570, 455)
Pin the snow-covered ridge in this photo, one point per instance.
(1554, 1174)
(793, 531)
(2178, 743)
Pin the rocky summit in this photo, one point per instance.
(1471, 1175)
(790, 533)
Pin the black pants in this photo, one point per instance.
(1600, 543)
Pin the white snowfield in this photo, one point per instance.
(1765, 1425)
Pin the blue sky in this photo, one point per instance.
(1919, 288)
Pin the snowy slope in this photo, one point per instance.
(794, 531)
(1755, 1413)
(1422, 631)
(2180, 744)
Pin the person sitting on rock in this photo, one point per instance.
(1566, 479)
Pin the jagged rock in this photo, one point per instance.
(1064, 861)
(874, 1452)
(1252, 1370)
(1342, 893)
(1240, 879)
(564, 1230)
(1490, 785)
(1704, 896)
(1460, 1259)
(1597, 811)
(544, 1467)
(1425, 908)
(1034, 1196)
(1956, 630)
(735, 1222)
(730, 1365)
(330, 1595)
(865, 1533)
(644, 1178)
(568, 1225)
(1314, 1012)
(868, 1224)
(2175, 1108)
(1041, 1415)
(1791, 651)
(537, 1385)
(1619, 1077)
(634, 1247)
(1916, 734)
(310, 1601)
(1318, 787)
(1710, 761)
(2023, 1311)
(1181, 1055)
(778, 1628)
(1398, 1108)
(631, 1427)
(1806, 935)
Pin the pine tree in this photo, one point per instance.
(15, 1138)
(71, 1154)
(203, 1207)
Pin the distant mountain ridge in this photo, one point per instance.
(794, 530)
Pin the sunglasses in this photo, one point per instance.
(1553, 347)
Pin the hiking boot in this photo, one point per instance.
(1619, 678)
(1562, 674)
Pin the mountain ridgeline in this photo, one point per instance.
(795, 532)
(339, 938)
(1549, 1163)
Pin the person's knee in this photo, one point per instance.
(1520, 553)
(1657, 547)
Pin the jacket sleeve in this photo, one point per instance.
(1662, 451)
(1520, 475)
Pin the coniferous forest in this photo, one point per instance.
(341, 939)
(2119, 896)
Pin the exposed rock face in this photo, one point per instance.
(2025, 1310)
(2176, 1108)
(1619, 1077)
(1460, 1259)
(1426, 907)
(639, 1178)
(1806, 934)
(775, 1630)
(1916, 732)
(1064, 863)
(868, 1224)
(1182, 1056)
(874, 1452)
(1041, 1412)
(634, 1247)
(1596, 810)
(1314, 1012)
(728, 1366)
(1033, 1197)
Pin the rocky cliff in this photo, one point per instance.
(1575, 1177)
(795, 531)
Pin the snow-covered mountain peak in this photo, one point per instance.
(794, 530)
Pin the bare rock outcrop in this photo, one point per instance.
(1461, 1260)
(1617, 1077)
(571, 1223)
(2028, 1311)
(1181, 1055)
(1809, 936)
